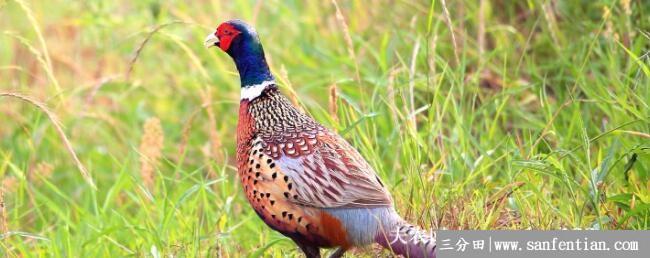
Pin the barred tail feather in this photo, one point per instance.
(408, 240)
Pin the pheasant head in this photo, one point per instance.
(242, 43)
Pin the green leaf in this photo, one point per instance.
(628, 166)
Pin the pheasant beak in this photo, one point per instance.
(211, 40)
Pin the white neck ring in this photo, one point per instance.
(251, 92)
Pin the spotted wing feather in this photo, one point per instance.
(333, 174)
(326, 170)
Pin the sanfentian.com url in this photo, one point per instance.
(556, 244)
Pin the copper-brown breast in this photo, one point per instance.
(271, 192)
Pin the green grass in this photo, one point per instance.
(537, 117)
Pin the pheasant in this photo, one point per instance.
(302, 179)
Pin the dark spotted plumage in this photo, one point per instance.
(326, 170)
(302, 179)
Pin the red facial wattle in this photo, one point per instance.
(226, 34)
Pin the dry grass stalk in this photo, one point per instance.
(348, 40)
(293, 96)
(391, 95)
(551, 19)
(41, 40)
(59, 130)
(451, 30)
(635, 133)
(630, 33)
(97, 85)
(185, 133)
(138, 51)
(392, 105)
(548, 126)
(609, 26)
(431, 58)
(333, 105)
(150, 150)
(3, 212)
(207, 159)
(412, 68)
(214, 150)
(481, 30)
(32, 66)
(496, 204)
(296, 102)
